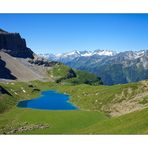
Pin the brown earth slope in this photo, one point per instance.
(23, 70)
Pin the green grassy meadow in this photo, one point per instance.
(60, 122)
(92, 118)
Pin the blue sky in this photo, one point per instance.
(57, 33)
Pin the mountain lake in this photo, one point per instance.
(49, 100)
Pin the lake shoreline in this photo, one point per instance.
(49, 100)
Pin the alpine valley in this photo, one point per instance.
(95, 108)
(113, 67)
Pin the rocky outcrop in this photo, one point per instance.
(13, 44)
(22, 127)
(42, 61)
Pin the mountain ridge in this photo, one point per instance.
(18, 62)
(87, 53)
(112, 67)
(77, 53)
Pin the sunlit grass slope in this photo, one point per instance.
(59, 122)
(66, 75)
(103, 109)
(132, 123)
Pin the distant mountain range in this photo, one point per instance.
(113, 67)
(69, 56)
(17, 61)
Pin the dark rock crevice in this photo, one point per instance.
(4, 91)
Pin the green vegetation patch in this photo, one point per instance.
(61, 72)
(132, 123)
(6, 102)
(59, 122)
(83, 77)
(66, 75)
(144, 100)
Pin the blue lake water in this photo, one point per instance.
(49, 100)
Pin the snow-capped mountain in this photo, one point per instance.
(104, 52)
(113, 67)
(68, 56)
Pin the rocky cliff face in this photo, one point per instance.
(13, 44)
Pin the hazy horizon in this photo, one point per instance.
(60, 33)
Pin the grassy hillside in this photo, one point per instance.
(61, 72)
(58, 122)
(6, 102)
(20, 91)
(64, 74)
(103, 109)
(132, 123)
(114, 100)
(83, 77)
